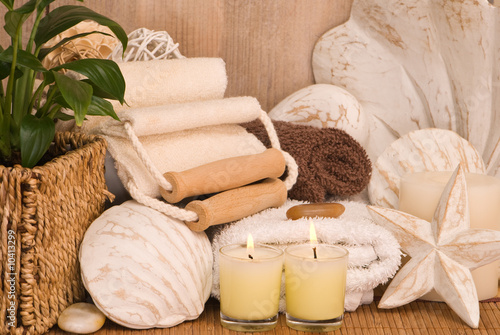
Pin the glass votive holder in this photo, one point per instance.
(315, 287)
(250, 287)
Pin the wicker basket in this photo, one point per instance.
(44, 214)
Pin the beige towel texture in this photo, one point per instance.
(179, 151)
(177, 117)
(178, 137)
(161, 82)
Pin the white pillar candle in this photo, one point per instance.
(419, 194)
(315, 287)
(250, 288)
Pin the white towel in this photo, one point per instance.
(179, 151)
(167, 81)
(178, 137)
(163, 82)
(170, 118)
(374, 253)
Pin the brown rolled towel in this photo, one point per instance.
(330, 161)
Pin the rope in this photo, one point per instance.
(170, 210)
(143, 155)
(293, 168)
(179, 213)
(271, 132)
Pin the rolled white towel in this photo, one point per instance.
(374, 253)
(167, 81)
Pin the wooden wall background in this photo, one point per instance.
(266, 44)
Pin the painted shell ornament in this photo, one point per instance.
(419, 64)
(144, 269)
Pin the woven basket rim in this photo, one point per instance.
(88, 141)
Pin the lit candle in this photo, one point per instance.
(419, 194)
(250, 281)
(315, 281)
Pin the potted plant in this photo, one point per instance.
(51, 184)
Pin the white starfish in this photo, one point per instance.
(442, 252)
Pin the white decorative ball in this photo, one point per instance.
(324, 106)
(144, 45)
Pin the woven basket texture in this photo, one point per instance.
(44, 214)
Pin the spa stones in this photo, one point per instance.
(81, 318)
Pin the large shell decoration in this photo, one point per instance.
(144, 269)
(420, 150)
(419, 64)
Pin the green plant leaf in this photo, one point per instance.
(45, 51)
(76, 93)
(36, 135)
(8, 3)
(48, 78)
(60, 101)
(31, 5)
(5, 71)
(24, 59)
(63, 116)
(64, 17)
(100, 106)
(103, 73)
(12, 20)
(98, 92)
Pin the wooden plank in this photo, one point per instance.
(490, 310)
(414, 317)
(428, 323)
(267, 45)
(434, 322)
(377, 319)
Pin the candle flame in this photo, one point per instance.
(250, 246)
(312, 234)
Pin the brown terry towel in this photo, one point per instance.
(330, 161)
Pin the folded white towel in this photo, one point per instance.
(374, 253)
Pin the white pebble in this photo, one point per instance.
(81, 318)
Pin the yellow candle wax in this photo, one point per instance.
(315, 288)
(419, 195)
(250, 288)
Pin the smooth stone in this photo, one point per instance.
(81, 318)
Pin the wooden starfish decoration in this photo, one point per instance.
(442, 252)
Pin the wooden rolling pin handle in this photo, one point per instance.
(237, 203)
(224, 175)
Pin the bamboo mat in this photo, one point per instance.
(415, 318)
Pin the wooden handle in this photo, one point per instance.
(237, 203)
(224, 175)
